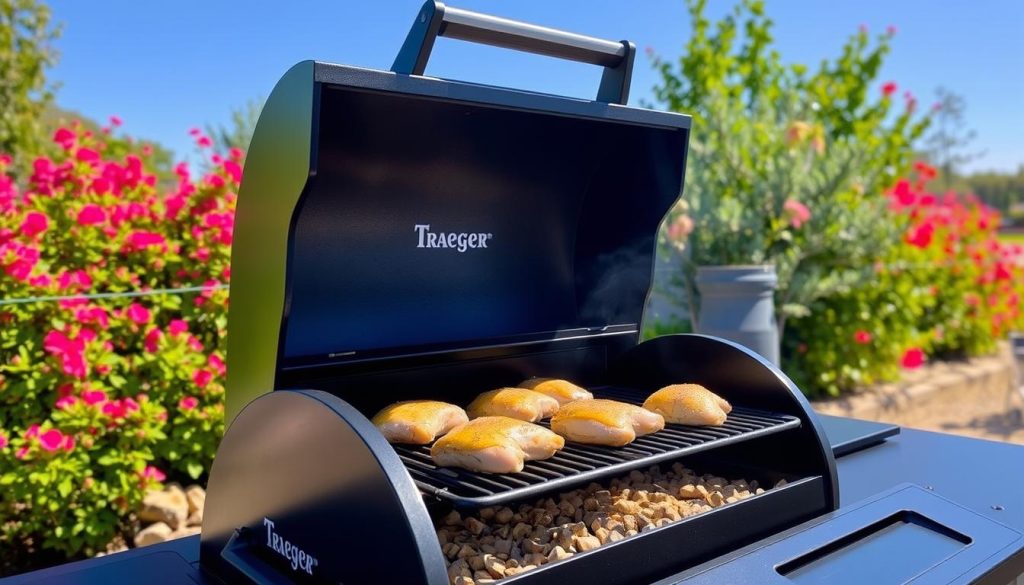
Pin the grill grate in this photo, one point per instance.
(580, 463)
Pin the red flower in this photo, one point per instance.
(138, 313)
(177, 326)
(91, 214)
(34, 224)
(140, 240)
(188, 403)
(64, 137)
(202, 378)
(912, 358)
(87, 155)
(94, 397)
(152, 340)
(888, 88)
(921, 236)
(862, 337)
(51, 440)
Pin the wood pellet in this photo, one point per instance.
(496, 542)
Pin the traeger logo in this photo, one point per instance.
(460, 241)
(296, 556)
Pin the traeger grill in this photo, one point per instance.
(400, 236)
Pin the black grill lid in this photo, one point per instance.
(441, 223)
(384, 215)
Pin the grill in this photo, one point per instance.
(400, 237)
(578, 463)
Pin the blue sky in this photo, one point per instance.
(166, 67)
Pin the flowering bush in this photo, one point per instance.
(950, 288)
(109, 385)
(787, 159)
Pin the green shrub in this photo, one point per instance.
(110, 383)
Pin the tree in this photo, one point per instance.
(946, 144)
(238, 133)
(26, 34)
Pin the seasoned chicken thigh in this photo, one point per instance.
(561, 390)
(689, 404)
(604, 422)
(495, 444)
(418, 421)
(517, 403)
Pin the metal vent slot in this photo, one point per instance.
(581, 463)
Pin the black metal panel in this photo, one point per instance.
(903, 535)
(577, 463)
(330, 485)
(849, 435)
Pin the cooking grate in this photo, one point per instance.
(579, 463)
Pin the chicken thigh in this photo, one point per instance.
(689, 404)
(604, 422)
(561, 390)
(495, 444)
(518, 403)
(418, 421)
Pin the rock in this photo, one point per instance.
(153, 534)
(185, 531)
(196, 496)
(169, 506)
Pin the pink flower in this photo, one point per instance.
(888, 88)
(91, 214)
(65, 402)
(152, 340)
(921, 236)
(195, 132)
(152, 473)
(70, 351)
(117, 409)
(3, 440)
(51, 440)
(912, 358)
(138, 313)
(202, 378)
(234, 170)
(217, 364)
(188, 403)
(798, 212)
(94, 397)
(862, 337)
(32, 431)
(177, 326)
(35, 223)
(87, 155)
(204, 142)
(236, 153)
(64, 137)
(97, 315)
(890, 30)
(140, 240)
(115, 121)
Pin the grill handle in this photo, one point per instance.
(435, 19)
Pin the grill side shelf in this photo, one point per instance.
(578, 463)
